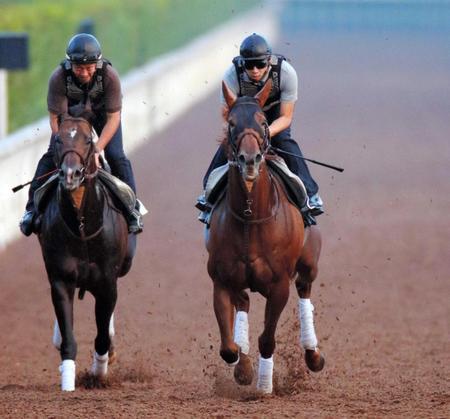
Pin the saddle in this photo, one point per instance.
(293, 186)
(119, 190)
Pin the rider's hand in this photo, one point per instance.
(97, 159)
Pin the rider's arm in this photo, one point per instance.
(56, 98)
(110, 128)
(53, 117)
(284, 120)
(288, 87)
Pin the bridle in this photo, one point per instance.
(264, 147)
(86, 159)
(234, 144)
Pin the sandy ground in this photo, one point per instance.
(375, 104)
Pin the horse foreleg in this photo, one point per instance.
(307, 269)
(224, 311)
(241, 303)
(104, 308)
(62, 298)
(276, 301)
(243, 371)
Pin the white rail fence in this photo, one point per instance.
(154, 95)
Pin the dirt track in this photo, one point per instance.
(378, 106)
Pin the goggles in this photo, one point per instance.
(259, 64)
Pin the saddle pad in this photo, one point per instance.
(294, 187)
(119, 189)
(44, 192)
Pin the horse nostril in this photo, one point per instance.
(77, 174)
(258, 158)
(61, 174)
(241, 158)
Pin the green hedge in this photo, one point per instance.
(131, 32)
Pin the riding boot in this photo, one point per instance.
(315, 204)
(205, 209)
(28, 223)
(134, 218)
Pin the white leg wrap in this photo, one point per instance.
(241, 331)
(308, 338)
(57, 339)
(265, 372)
(100, 365)
(111, 329)
(67, 370)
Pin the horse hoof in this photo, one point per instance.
(243, 371)
(230, 357)
(100, 365)
(314, 360)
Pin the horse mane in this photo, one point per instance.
(80, 113)
(223, 140)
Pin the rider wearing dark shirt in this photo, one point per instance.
(86, 81)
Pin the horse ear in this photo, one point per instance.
(264, 93)
(229, 96)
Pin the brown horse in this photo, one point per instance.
(85, 244)
(257, 240)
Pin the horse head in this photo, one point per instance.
(248, 131)
(74, 151)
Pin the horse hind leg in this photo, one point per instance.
(56, 338)
(104, 308)
(307, 269)
(112, 348)
(100, 363)
(128, 260)
(313, 358)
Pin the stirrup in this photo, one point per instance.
(202, 204)
(315, 205)
(203, 217)
(26, 223)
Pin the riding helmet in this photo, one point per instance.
(254, 47)
(83, 48)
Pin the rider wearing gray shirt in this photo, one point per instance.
(246, 77)
(288, 82)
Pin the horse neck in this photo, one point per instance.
(259, 197)
(84, 205)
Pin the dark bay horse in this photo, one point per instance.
(85, 244)
(257, 240)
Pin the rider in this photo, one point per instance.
(86, 81)
(245, 77)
